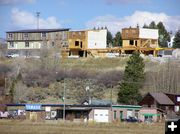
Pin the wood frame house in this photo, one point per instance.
(157, 100)
(140, 39)
(87, 43)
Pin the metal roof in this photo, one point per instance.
(39, 30)
(161, 98)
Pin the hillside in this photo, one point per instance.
(42, 80)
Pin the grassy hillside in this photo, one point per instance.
(42, 80)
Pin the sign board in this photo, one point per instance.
(33, 106)
(48, 109)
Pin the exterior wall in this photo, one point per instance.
(126, 43)
(97, 39)
(51, 39)
(80, 36)
(150, 111)
(21, 45)
(92, 112)
(130, 33)
(140, 37)
(120, 109)
(148, 33)
(149, 43)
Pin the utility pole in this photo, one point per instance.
(64, 104)
(37, 15)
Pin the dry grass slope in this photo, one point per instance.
(57, 127)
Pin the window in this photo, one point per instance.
(178, 99)
(81, 44)
(114, 114)
(176, 108)
(43, 35)
(76, 43)
(10, 35)
(131, 42)
(25, 35)
(53, 44)
(136, 113)
(11, 44)
(26, 44)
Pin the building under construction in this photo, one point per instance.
(84, 43)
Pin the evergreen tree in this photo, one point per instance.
(117, 41)
(164, 36)
(152, 25)
(176, 43)
(109, 38)
(145, 26)
(132, 80)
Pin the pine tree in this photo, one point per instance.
(152, 25)
(109, 38)
(117, 41)
(164, 36)
(132, 80)
(145, 26)
(176, 43)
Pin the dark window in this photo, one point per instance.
(131, 42)
(25, 35)
(121, 115)
(53, 44)
(76, 43)
(136, 43)
(11, 44)
(81, 44)
(26, 44)
(114, 114)
(10, 35)
(43, 35)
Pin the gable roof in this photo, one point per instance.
(161, 98)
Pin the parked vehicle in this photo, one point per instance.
(12, 55)
(4, 114)
(132, 119)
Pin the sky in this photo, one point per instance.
(87, 14)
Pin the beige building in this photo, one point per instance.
(29, 42)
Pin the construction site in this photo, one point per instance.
(92, 43)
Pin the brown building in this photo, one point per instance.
(157, 100)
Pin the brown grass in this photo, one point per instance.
(57, 127)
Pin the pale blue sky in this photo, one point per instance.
(83, 14)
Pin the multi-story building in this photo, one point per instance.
(87, 42)
(29, 42)
(141, 39)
